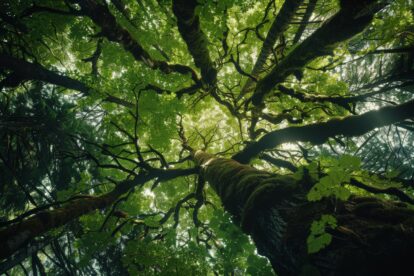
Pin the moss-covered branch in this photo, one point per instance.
(18, 234)
(319, 133)
(349, 21)
(24, 71)
(33, 71)
(343, 101)
(189, 27)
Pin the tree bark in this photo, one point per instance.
(372, 237)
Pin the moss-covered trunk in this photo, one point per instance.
(372, 237)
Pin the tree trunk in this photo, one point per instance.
(372, 237)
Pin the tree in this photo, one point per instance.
(180, 136)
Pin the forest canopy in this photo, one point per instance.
(206, 137)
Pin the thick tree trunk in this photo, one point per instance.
(372, 237)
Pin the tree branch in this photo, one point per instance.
(348, 22)
(34, 71)
(25, 70)
(318, 133)
(16, 235)
(389, 191)
(279, 25)
(305, 19)
(343, 101)
(101, 16)
(278, 162)
(189, 27)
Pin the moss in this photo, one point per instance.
(244, 190)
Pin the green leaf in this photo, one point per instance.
(349, 162)
(318, 238)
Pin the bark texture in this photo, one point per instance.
(373, 237)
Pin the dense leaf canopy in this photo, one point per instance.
(103, 104)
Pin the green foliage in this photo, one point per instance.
(338, 173)
(318, 238)
(35, 132)
(237, 251)
(47, 156)
(258, 266)
(142, 257)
